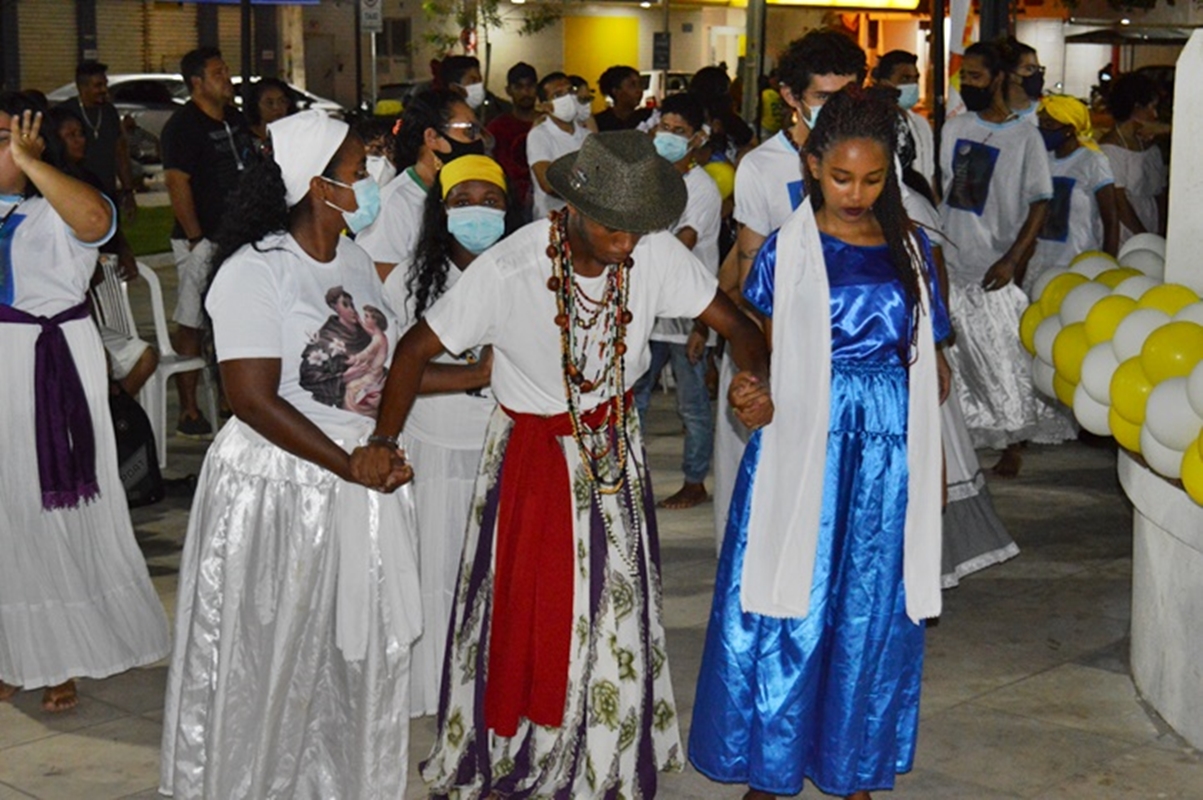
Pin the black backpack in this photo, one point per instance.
(137, 456)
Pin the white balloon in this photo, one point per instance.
(1080, 300)
(1191, 313)
(1135, 286)
(1194, 389)
(1146, 261)
(1091, 414)
(1161, 459)
(1133, 330)
(1044, 280)
(1097, 369)
(1094, 266)
(1042, 378)
(1046, 334)
(1143, 241)
(1170, 417)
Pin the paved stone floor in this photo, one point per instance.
(1026, 689)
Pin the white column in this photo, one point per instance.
(1184, 227)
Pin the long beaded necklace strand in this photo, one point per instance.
(576, 311)
(612, 311)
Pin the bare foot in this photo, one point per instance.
(859, 796)
(1008, 466)
(60, 698)
(690, 495)
(7, 691)
(756, 794)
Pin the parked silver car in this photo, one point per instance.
(152, 97)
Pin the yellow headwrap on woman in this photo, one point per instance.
(470, 168)
(1073, 112)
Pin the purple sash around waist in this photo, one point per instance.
(66, 444)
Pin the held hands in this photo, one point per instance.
(26, 145)
(750, 399)
(380, 467)
(999, 275)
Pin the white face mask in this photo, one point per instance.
(584, 111)
(476, 95)
(564, 108)
(381, 169)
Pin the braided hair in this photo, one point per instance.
(427, 277)
(853, 113)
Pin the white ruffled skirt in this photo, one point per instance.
(992, 371)
(76, 600)
(444, 485)
(262, 700)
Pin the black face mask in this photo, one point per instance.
(977, 98)
(1053, 139)
(459, 148)
(1033, 85)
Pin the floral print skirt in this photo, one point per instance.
(620, 722)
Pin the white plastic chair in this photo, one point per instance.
(113, 309)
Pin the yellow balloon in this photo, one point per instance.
(724, 175)
(1064, 390)
(1192, 472)
(1172, 350)
(1085, 254)
(1058, 287)
(1127, 434)
(1032, 317)
(1168, 297)
(1105, 316)
(1069, 348)
(1130, 389)
(1114, 277)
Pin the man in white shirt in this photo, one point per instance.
(557, 135)
(899, 70)
(683, 341)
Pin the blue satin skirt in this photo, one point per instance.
(834, 697)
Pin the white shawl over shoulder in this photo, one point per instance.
(787, 495)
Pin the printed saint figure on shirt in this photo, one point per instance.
(342, 365)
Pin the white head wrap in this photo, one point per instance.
(302, 145)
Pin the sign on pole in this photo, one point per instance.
(371, 16)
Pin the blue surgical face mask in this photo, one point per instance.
(908, 95)
(477, 228)
(671, 146)
(367, 203)
(813, 111)
(1053, 139)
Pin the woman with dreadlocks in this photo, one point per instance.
(831, 561)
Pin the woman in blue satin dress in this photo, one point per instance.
(831, 694)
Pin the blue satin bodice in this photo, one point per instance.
(870, 318)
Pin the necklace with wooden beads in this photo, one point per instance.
(579, 317)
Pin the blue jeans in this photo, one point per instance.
(693, 405)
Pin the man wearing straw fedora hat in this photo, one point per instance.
(556, 680)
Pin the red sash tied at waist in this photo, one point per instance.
(530, 632)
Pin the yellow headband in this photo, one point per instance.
(470, 168)
(1073, 112)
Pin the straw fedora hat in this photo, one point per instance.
(619, 180)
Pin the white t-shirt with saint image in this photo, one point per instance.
(327, 323)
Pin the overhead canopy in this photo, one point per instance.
(1131, 35)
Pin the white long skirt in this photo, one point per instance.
(261, 701)
(730, 438)
(75, 596)
(974, 536)
(444, 484)
(992, 371)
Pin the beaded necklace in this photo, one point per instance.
(586, 323)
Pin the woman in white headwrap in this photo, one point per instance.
(298, 595)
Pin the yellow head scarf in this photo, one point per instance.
(1071, 111)
(470, 168)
